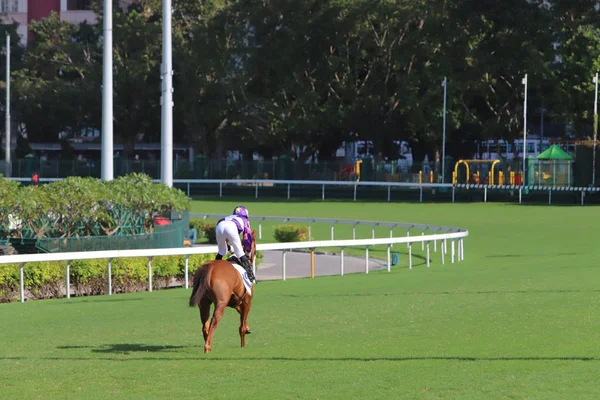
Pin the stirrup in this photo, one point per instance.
(250, 272)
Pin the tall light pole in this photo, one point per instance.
(445, 85)
(524, 130)
(542, 111)
(595, 131)
(167, 99)
(107, 96)
(7, 122)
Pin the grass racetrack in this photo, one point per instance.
(518, 319)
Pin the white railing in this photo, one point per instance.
(457, 252)
(334, 222)
(421, 187)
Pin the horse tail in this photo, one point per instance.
(201, 279)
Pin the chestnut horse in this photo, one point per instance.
(218, 282)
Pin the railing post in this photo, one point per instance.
(309, 231)
(149, 274)
(485, 194)
(68, 280)
(389, 190)
(408, 235)
(109, 275)
(188, 189)
(452, 251)
(391, 234)
(366, 259)
(428, 261)
(283, 254)
(256, 191)
(421, 194)
(462, 249)
(312, 263)
(422, 241)
(354, 231)
(409, 255)
(342, 261)
(373, 231)
(442, 250)
(323, 193)
(389, 261)
(435, 241)
(220, 189)
(453, 189)
(354, 192)
(520, 196)
(260, 229)
(288, 192)
(186, 267)
(332, 230)
(550, 197)
(22, 282)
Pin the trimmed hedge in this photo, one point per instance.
(79, 206)
(46, 280)
(89, 277)
(290, 233)
(205, 229)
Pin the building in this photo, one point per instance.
(25, 11)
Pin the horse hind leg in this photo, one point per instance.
(244, 328)
(217, 315)
(205, 316)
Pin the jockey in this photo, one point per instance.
(228, 230)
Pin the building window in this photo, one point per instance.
(74, 5)
(9, 5)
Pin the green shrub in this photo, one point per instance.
(78, 206)
(198, 225)
(205, 229)
(89, 277)
(290, 233)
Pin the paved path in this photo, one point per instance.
(298, 265)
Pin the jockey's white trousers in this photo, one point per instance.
(227, 231)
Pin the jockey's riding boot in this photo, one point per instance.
(218, 257)
(248, 267)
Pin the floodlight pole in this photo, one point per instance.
(167, 99)
(445, 85)
(524, 131)
(595, 130)
(107, 96)
(7, 122)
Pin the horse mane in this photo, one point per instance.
(201, 277)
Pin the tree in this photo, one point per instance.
(53, 90)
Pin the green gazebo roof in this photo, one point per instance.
(554, 152)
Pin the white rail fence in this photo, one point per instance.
(333, 222)
(455, 235)
(415, 186)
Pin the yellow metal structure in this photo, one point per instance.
(357, 169)
(466, 163)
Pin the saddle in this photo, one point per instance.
(237, 264)
(234, 260)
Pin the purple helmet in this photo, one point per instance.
(241, 211)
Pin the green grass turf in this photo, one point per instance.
(519, 319)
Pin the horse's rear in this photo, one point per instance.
(218, 282)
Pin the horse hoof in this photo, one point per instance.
(248, 331)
